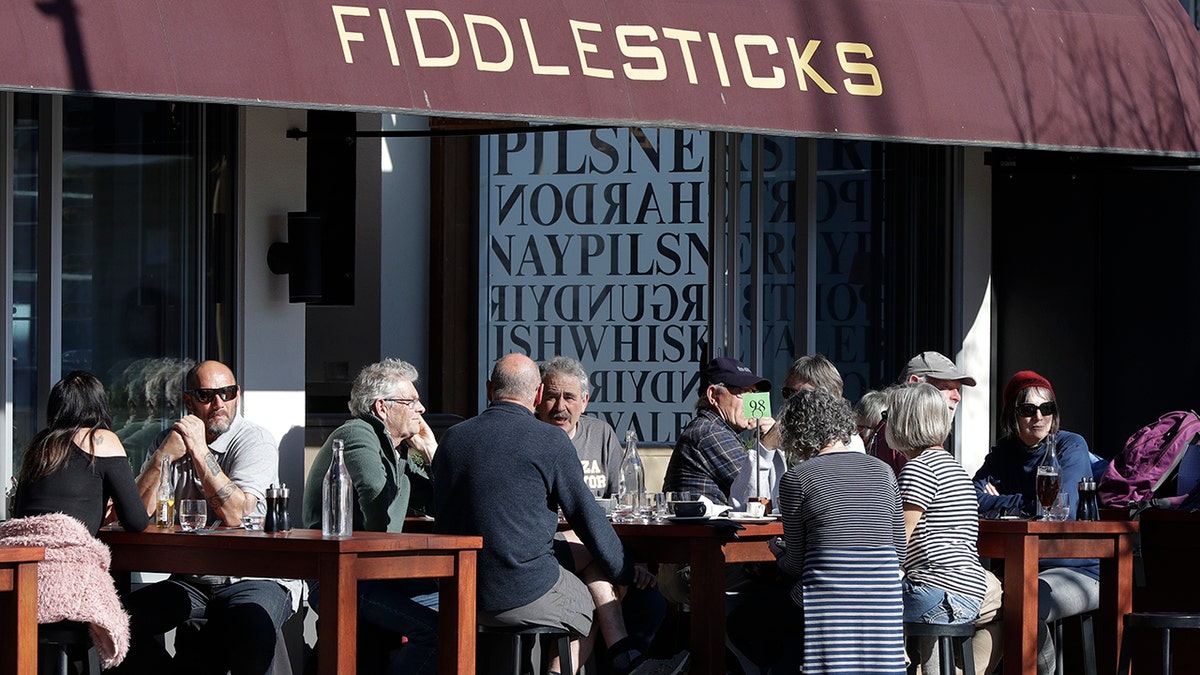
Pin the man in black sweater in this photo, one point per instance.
(504, 475)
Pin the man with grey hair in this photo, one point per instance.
(504, 475)
(387, 423)
(944, 375)
(565, 396)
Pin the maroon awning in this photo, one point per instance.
(1120, 75)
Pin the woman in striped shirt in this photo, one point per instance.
(844, 537)
(944, 582)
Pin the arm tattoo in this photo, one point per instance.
(223, 495)
(210, 460)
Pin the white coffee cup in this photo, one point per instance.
(756, 509)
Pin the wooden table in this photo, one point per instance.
(338, 564)
(708, 549)
(18, 609)
(1021, 543)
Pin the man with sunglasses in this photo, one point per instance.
(388, 481)
(226, 460)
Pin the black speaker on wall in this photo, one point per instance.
(301, 258)
(319, 254)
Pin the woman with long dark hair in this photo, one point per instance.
(76, 465)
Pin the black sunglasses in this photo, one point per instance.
(1047, 409)
(207, 395)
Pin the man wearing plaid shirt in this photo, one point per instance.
(709, 452)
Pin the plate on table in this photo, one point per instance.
(688, 519)
(743, 517)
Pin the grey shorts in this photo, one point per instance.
(567, 604)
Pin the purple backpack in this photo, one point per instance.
(1150, 457)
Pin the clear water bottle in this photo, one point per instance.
(164, 512)
(632, 483)
(337, 495)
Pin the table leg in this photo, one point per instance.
(1020, 604)
(1116, 600)
(708, 607)
(19, 653)
(456, 617)
(337, 625)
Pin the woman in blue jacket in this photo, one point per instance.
(1005, 485)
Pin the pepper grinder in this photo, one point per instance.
(271, 520)
(283, 518)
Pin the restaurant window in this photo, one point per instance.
(128, 274)
(611, 246)
(594, 245)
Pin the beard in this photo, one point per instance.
(218, 422)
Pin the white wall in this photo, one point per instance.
(271, 331)
(404, 245)
(974, 315)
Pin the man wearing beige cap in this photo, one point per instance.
(937, 370)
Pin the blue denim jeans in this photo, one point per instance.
(930, 604)
(406, 607)
(1062, 592)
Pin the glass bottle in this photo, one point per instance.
(632, 479)
(164, 514)
(337, 494)
(1049, 476)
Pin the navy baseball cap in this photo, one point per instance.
(724, 370)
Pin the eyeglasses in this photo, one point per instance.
(206, 395)
(1047, 409)
(410, 403)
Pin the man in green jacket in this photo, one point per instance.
(387, 423)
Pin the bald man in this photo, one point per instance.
(219, 457)
(503, 475)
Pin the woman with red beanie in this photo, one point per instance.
(1005, 485)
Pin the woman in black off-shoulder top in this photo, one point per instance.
(77, 465)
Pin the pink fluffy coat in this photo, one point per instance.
(73, 580)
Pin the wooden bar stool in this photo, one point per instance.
(1160, 621)
(517, 635)
(951, 638)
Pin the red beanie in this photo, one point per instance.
(1022, 381)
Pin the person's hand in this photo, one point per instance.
(642, 577)
(772, 438)
(191, 429)
(776, 546)
(989, 489)
(172, 447)
(766, 425)
(424, 442)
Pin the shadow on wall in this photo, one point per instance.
(292, 469)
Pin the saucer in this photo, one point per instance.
(688, 519)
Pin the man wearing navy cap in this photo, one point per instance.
(709, 453)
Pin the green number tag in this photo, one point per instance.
(756, 405)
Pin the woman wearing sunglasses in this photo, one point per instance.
(1005, 485)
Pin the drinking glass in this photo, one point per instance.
(1060, 510)
(659, 500)
(193, 513)
(250, 519)
(1048, 484)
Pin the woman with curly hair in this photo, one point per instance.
(843, 538)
